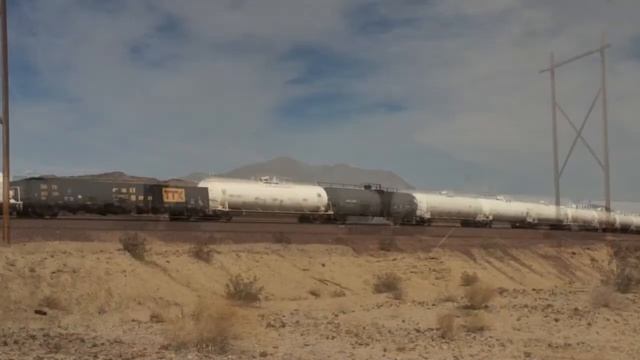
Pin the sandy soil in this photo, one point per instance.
(317, 303)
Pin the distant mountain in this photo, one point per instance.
(196, 177)
(294, 170)
(119, 176)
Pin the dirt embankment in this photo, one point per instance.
(317, 302)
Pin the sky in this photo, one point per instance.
(445, 93)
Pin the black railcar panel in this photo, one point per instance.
(403, 207)
(354, 202)
(178, 201)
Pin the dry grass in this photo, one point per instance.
(605, 296)
(627, 259)
(135, 245)
(627, 277)
(479, 295)
(399, 294)
(338, 293)
(245, 290)
(448, 297)
(210, 329)
(156, 317)
(447, 325)
(468, 279)
(477, 323)
(52, 302)
(388, 282)
(202, 252)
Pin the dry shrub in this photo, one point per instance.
(399, 294)
(468, 279)
(479, 295)
(135, 245)
(448, 298)
(627, 259)
(388, 244)
(338, 293)
(202, 252)
(316, 293)
(627, 277)
(52, 302)
(243, 289)
(210, 329)
(388, 282)
(447, 325)
(157, 317)
(605, 296)
(477, 323)
(281, 238)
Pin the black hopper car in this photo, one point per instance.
(48, 197)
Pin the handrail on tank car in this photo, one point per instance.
(364, 186)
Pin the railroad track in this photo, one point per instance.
(268, 227)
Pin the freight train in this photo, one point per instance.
(222, 198)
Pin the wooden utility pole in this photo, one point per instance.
(6, 185)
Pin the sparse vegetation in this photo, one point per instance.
(477, 323)
(202, 252)
(315, 293)
(479, 295)
(388, 282)
(338, 293)
(52, 302)
(209, 330)
(135, 245)
(243, 289)
(447, 325)
(399, 294)
(605, 296)
(468, 279)
(388, 244)
(156, 317)
(627, 275)
(448, 297)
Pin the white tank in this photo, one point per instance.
(585, 218)
(436, 206)
(545, 214)
(513, 212)
(264, 196)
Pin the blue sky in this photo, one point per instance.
(445, 93)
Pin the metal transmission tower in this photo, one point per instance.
(555, 108)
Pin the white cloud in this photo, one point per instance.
(204, 95)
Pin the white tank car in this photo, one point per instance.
(587, 219)
(545, 214)
(227, 194)
(437, 206)
(506, 211)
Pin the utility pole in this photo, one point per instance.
(555, 108)
(6, 185)
(554, 112)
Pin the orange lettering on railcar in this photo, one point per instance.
(173, 195)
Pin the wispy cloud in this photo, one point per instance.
(444, 92)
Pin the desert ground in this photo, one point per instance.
(176, 300)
